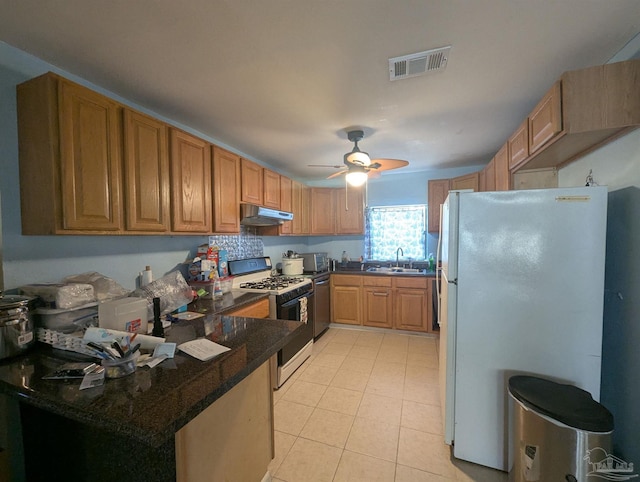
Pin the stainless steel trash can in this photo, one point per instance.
(555, 430)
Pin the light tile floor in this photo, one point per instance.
(365, 407)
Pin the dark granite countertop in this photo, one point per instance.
(428, 274)
(152, 404)
(230, 301)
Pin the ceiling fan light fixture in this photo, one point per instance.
(358, 157)
(356, 177)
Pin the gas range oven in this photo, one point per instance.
(290, 298)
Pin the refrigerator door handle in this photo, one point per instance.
(437, 268)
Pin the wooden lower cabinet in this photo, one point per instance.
(377, 301)
(345, 299)
(399, 302)
(232, 439)
(412, 304)
(259, 309)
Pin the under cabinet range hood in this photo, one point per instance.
(252, 215)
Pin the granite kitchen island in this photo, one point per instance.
(181, 420)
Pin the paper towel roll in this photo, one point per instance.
(99, 335)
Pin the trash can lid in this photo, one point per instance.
(565, 403)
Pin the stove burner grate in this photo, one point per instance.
(272, 283)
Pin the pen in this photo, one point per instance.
(95, 346)
(118, 348)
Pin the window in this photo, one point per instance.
(388, 228)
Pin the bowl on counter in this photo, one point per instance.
(120, 367)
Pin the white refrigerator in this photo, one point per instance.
(522, 292)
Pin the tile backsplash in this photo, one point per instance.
(245, 245)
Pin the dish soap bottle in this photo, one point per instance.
(345, 258)
(432, 265)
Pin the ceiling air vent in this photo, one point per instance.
(418, 64)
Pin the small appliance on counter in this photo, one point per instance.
(315, 262)
(16, 324)
(291, 263)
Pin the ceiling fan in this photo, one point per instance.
(358, 166)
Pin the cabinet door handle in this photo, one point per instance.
(377, 293)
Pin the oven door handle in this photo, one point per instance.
(294, 301)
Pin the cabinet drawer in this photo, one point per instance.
(376, 281)
(346, 280)
(259, 309)
(417, 283)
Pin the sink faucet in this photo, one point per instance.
(399, 250)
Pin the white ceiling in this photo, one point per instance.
(281, 80)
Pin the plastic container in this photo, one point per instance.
(120, 367)
(124, 314)
(66, 321)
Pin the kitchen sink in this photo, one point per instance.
(396, 269)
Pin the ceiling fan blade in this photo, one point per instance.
(334, 166)
(388, 164)
(339, 173)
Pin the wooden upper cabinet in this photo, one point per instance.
(468, 181)
(437, 192)
(190, 183)
(90, 156)
(226, 191)
(349, 211)
(271, 188)
(490, 176)
(545, 121)
(519, 145)
(251, 179)
(297, 208)
(286, 203)
(146, 169)
(323, 220)
(300, 208)
(584, 110)
(305, 199)
(501, 168)
(482, 175)
(70, 147)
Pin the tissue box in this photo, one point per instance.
(124, 314)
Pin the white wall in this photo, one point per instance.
(42, 259)
(31, 259)
(616, 165)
